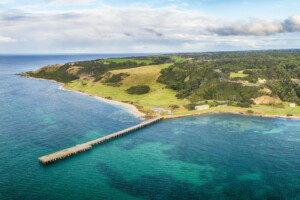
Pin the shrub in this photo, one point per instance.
(114, 79)
(139, 89)
(244, 105)
(173, 106)
(190, 106)
(289, 115)
(250, 111)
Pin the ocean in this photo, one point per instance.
(218, 157)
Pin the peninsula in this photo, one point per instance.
(260, 83)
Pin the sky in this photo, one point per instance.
(147, 26)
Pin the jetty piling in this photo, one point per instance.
(88, 145)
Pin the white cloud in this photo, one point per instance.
(4, 39)
(259, 27)
(135, 29)
(70, 2)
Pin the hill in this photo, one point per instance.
(178, 83)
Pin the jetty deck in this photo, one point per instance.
(88, 145)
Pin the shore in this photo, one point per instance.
(231, 112)
(134, 110)
(131, 108)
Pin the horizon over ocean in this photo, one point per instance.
(216, 157)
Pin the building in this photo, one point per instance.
(262, 80)
(292, 105)
(222, 106)
(161, 110)
(202, 107)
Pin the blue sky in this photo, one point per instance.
(118, 26)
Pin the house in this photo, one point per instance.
(202, 107)
(222, 106)
(262, 80)
(292, 105)
(161, 110)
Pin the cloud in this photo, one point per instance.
(3, 2)
(259, 27)
(150, 30)
(4, 39)
(292, 23)
(70, 2)
(135, 29)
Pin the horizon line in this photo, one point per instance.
(152, 53)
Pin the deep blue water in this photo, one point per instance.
(208, 157)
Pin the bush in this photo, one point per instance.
(297, 101)
(114, 79)
(173, 106)
(139, 89)
(244, 105)
(59, 76)
(289, 115)
(190, 106)
(250, 111)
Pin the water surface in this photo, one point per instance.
(207, 157)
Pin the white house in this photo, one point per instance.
(222, 106)
(292, 105)
(202, 107)
(262, 80)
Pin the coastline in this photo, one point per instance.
(231, 112)
(134, 110)
(131, 108)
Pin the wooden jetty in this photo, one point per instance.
(88, 145)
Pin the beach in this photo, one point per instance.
(131, 108)
(136, 112)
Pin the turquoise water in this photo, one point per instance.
(208, 157)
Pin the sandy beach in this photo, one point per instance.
(131, 108)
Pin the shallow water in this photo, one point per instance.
(207, 157)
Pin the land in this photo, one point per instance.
(253, 83)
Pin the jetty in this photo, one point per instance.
(88, 145)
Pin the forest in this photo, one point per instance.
(206, 76)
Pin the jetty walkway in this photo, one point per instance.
(88, 145)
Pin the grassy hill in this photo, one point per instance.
(177, 83)
(159, 95)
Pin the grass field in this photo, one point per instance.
(258, 110)
(158, 95)
(237, 75)
(177, 59)
(121, 60)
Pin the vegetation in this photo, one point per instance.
(250, 111)
(95, 68)
(60, 76)
(139, 89)
(238, 75)
(147, 75)
(197, 82)
(179, 82)
(113, 79)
